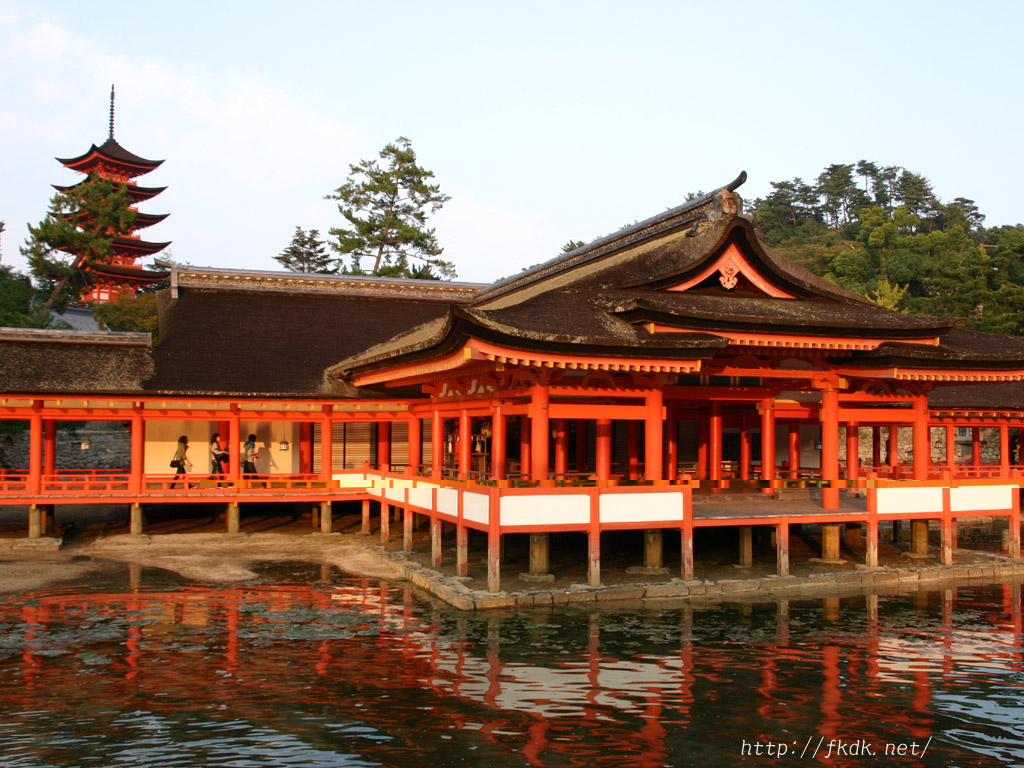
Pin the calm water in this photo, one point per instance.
(145, 669)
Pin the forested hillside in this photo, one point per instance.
(881, 232)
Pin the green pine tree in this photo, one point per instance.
(307, 253)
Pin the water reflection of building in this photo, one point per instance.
(588, 693)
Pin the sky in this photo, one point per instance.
(545, 121)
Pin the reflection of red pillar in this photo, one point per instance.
(540, 427)
(830, 694)
(830, 448)
(715, 441)
(603, 449)
(561, 448)
(465, 444)
(497, 444)
(794, 449)
(632, 450)
(653, 435)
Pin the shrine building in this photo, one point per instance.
(674, 375)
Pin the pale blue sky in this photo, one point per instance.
(545, 121)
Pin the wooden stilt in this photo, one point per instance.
(314, 514)
(782, 549)
(687, 549)
(653, 548)
(135, 520)
(326, 517)
(539, 553)
(746, 545)
(830, 542)
(234, 517)
(1014, 526)
(364, 527)
(407, 520)
(435, 541)
(494, 542)
(35, 521)
(385, 522)
(871, 544)
(594, 541)
(919, 538)
(462, 550)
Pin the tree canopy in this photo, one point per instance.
(307, 253)
(78, 230)
(386, 202)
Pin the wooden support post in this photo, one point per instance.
(385, 521)
(745, 449)
(702, 447)
(768, 447)
(830, 448)
(540, 428)
(852, 453)
(539, 543)
(922, 438)
(461, 550)
(853, 535)
(364, 527)
(653, 548)
(561, 448)
(435, 541)
(654, 436)
(715, 442)
(384, 445)
(35, 452)
(525, 448)
(976, 446)
(1004, 450)
(830, 542)
(672, 445)
(234, 517)
(894, 448)
(876, 447)
(49, 447)
(782, 549)
(137, 466)
(494, 542)
(314, 515)
(465, 444)
(415, 443)
(326, 447)
(35, 521)
(746, 546)
(594, 540)
(603, 449)
(498, 446)
(235, 444)
(919, 538)
(1013, 540)
(305, 446)
(951, 448)
(436, 446)
(686, 540)
(407, 520)
(871, 545)
(326, 517)
(794, 449)
(135, 519)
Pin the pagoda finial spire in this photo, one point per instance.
(111, 110)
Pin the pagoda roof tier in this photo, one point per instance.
(130, 246)
(110, 154)
(136, 193)
(695, 282)
(142, 220)
(126, 274)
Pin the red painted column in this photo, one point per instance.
(561, 448)
(603, 449)
(498, 448)
(876, 448)
(744, 449)
(35, 449)
(951, 448)
(465, 444)
(539, 429)
(976, 446)
(894, 447)
(235, 442)
(702, 447)
(1004, 450)
(415, 445)
(654, 439)
(715, 441)
(436, 446)
(632, 450)
(794, 449)
(581, 445)
(830, 448)
(672, 445)
(525, 447)
(305, 446)
(767, 444)
(922, 438)
(138, 461)
(852, 453)
(49, 447)
(326, 446)
(384, 445)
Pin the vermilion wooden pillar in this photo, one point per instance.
(830, 448)
(702, 447)
(794, 449)
(672, 445)
(922, 438)
(540, 427)
(415, 444)
(715, 441)
(525, 447)
(632, 450)
(1004, 450)
(876, 447)
(744, 449)
(976, 446)
(653, 437)
(498, 448)
(894, 446)
(561, 447)
(951, 447)
(384, 445)
(603, 448)
(235, 443)
(436, 446)
(49, 447)
(305, 446)
(767, 444)
(138, 462)
(852, 453)
(465, 444)
(326, 447)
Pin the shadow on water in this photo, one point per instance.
(307, 666)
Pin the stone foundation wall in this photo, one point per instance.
(109, 448)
